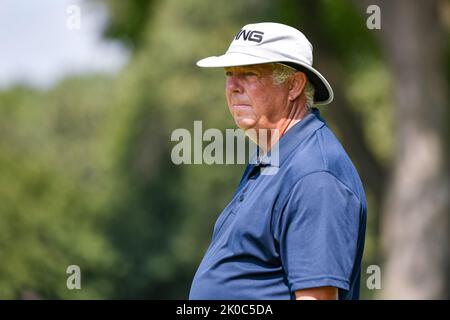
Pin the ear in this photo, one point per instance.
(296, 85)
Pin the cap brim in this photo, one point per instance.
(231, 59)
(323, 92)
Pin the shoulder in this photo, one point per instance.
(320, 160)
(320, 151)
(319, 185)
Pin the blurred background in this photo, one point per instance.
(86, 114)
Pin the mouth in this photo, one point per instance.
(240, 105)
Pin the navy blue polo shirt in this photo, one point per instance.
(302, 227)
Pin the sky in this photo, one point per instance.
(40, 43)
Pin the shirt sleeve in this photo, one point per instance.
(317, 232)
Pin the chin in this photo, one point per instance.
(245, 124)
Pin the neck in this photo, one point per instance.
(267, 140)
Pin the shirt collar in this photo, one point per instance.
(290, 140)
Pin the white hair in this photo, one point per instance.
(281, 73)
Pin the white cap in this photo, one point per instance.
(268, 42)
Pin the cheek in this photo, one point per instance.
(227, 94)
(264, 100)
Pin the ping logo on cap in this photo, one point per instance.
(250, 35)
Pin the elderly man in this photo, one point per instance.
(298, 233)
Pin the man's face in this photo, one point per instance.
(253, 98)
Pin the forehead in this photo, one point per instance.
(254, 67)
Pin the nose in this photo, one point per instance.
(233, 84)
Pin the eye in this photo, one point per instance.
(249, 74)
(228, 73)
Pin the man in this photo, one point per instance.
(298, 233)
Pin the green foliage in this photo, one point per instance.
(52, 190)
(128, 20)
